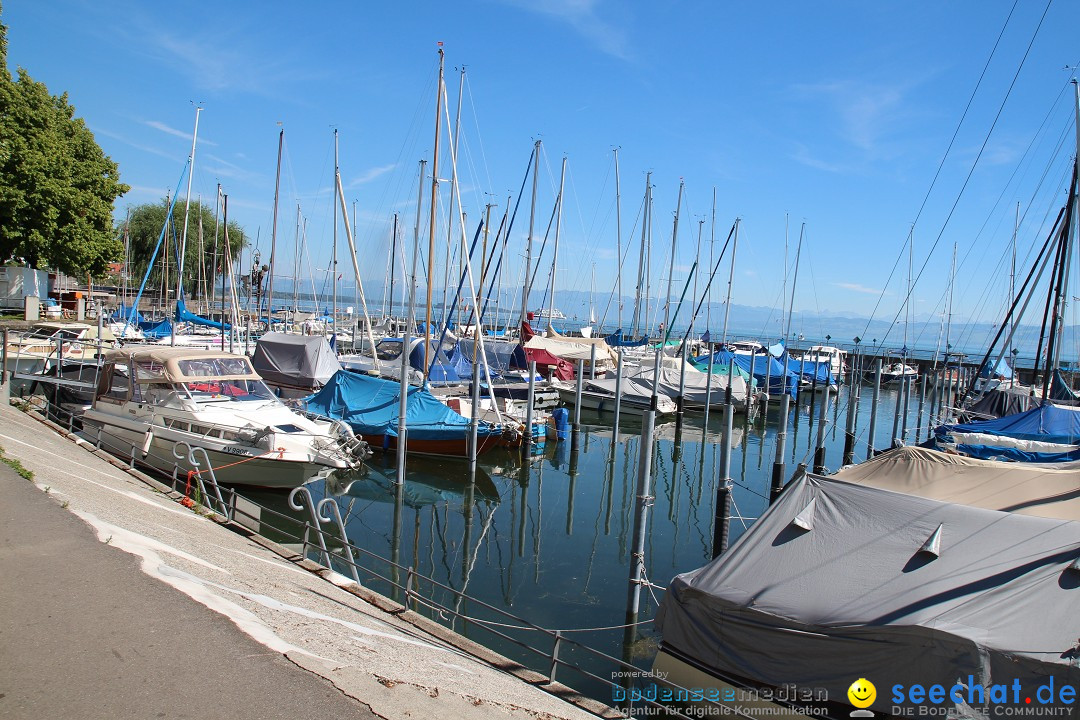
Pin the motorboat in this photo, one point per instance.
(151, 398)
(599, 396)
(827, 353)
(48, 345)
(896, 373)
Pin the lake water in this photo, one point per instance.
(550, 539)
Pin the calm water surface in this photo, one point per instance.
(549, 539)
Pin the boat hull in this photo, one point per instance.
(450, 447)
(250, 467)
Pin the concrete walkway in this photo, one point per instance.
(117, 602)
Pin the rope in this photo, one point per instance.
(189, 503)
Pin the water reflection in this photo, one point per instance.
(549, 538)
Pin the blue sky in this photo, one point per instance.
(833, 114)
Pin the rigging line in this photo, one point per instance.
(974, 164)
(952, 141)
(476, 122)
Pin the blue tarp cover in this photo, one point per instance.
(123, 313)
(185, 315)
(617, 339)
(1002, 370)
(156, 329)
(763, 366)
(811, 370)
(1060, 390)
(1048, 423)
(370, 406)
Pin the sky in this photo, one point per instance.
(855, 125)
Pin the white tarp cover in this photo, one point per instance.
(301, 361)
(1029, 488)
(853, 597)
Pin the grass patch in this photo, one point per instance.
(16, 466)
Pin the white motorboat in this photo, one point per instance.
(896, 373)
(48, 344)
(151, 398)
(834, 356)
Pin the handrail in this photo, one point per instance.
(327, 511)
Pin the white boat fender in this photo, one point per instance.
(149, 438)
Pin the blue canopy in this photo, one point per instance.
(811, 370)
(616, 339)
(185, 315)
(1060, 389)
(370, 407)
(768, 372)
(1001, 370)
(156, 329)
(124, 313)
(1047, 423)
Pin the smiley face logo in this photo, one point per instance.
(862, 693)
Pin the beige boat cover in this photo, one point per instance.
(1051, 491)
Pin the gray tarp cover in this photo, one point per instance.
(853, 597)
(301, 361)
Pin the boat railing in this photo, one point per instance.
(318, 531)
(18, 345)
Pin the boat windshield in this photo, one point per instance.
(219, 390)
(388, 349)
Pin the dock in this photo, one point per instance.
(119, 602)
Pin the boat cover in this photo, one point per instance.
(370, 406)
(768, 371)
(127, 313)
(839, 581)
(563, 369)
(185, 315)
(156, 329)
(811, 370)
(304, 361)
(501, 355)
(1047, 423)
(1060, 390)
(1001, 370)
(617, 339)
(695, 386)
(1029, 489)
(1000, 402)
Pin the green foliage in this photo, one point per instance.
(144, 227)
(17, 466)
(57, 186)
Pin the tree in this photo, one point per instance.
(57, 186)
(144, 226)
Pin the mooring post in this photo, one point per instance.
(680, 401)
(779, 465)
(873, 410)
(749, 398)
(722, 521)
(708, 392)
(908, 386)
(922, 402)
(527, 445)
(474, 423)
(618, 399)
(819, 452)
(849, 428)
(641, 508)
(577, 404)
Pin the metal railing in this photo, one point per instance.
(558, 652)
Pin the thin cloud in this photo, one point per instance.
(137, 146)
(583, 17)
(856, 287)
(369, 176)
(173, 131)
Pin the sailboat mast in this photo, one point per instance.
(273, 236)
(697, 263)
(333, 262)
(431, 224)
(296, 268)
(393, 263)
(453, 194)
(618, 241)
(671, 268)
(641, 257)
(558, 228)
(187, 208)
(730, 280)
(712, 245)
(529, 242)
(794, 282)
